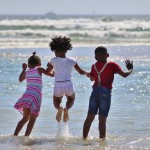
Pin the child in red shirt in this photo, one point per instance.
(102, 72)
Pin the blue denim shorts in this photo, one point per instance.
(100, 99)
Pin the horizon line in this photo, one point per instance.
(54, 14)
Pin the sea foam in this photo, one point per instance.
(63, 131)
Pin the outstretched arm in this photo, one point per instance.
(79, 70)
(49, 68)
(22, 75)
(129, 65)
(91, 77)
(42, 70)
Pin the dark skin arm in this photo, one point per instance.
(49, 68)
(129, 65)
(22, 75)
(42, 70)
(91, 78)
(80, 71)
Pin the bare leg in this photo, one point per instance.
(22, 122)
(70, 101)
(57, 103)
(87, 125)
(66, 116)
(69, 104)
(102, 126)
(30, 124)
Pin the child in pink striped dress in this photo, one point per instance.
(30, 102)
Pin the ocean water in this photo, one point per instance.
(36, 31)
(128, 124)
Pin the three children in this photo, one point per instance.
(102, 72)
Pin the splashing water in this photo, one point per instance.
(130, 96)
(63, 131)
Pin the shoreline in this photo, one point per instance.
(75, 45)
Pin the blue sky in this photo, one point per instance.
(75, 6)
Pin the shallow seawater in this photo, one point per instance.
(128, 124)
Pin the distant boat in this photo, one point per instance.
(50, 14)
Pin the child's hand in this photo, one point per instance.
(24, 66)
(92, 78)
(89, 76)
(129, 64)
(52, 73)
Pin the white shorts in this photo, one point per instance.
(61, 88)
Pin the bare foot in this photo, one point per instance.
(102, 139)
(59, 114)
(66, 116)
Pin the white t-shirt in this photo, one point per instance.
(62, 68)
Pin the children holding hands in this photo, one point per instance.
(61, 67)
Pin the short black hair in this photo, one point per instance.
(34, 60)
(101, 50)
(60, 44)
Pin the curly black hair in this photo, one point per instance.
(34, 60)
(60, 44)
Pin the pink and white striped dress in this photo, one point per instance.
(33, 95)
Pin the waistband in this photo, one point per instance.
(101, 87)
(63, 81)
